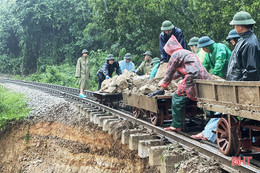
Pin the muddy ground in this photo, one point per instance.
(45, 145)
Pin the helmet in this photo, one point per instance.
(148, 53)
(233, 34)
(84, 51)
(110, 57)
(205, 41)
(167, 25)
(128, 56)
(155, 60)
(193, 41)
(242, 18)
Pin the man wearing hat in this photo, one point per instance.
(233, 37)
(145, 67)
(82, 72)
(193, 43)
(168, 29)
(127, 64)
(106, 71)
(244, 64)
(216, 58)
(155, 63)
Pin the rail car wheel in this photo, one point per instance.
(227, 138)
(157, 118)
(136, 112)
(115, 105)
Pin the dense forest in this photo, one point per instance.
(36, 34)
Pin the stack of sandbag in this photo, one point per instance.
(131, 83)
(118, 83)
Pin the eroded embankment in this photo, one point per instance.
(61, 143)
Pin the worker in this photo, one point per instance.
(82, 72)
(106, 71)
(233, 37)
(168, 29)
(155, 63)
(216, 58)
(127, 64)
(193, 43)
(145, 67)
(244, 64)
(183, 63)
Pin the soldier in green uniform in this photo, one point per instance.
(145, 67)
(82, 72)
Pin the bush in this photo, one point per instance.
(12, 107)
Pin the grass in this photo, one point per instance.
(13, 107)
(27, 137)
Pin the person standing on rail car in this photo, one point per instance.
(216, 58)
(193, 43)
(183, 63)
(106, 71)
(127, 64)
(168, 29)
(82, 72)
(145, 67)
(244, 64)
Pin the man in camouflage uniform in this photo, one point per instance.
(145, 67)
(82, 72)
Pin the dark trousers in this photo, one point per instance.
(178, 103)
(101, 78)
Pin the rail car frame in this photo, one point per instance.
(239, 103)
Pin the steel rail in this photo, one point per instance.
(202, 148)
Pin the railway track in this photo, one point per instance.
(202, 147)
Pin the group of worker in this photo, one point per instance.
(243, 64)
(111, 65)
(147, 67)
(206, 56)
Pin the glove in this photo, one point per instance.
(158, 92)
(107, 77)
(134, 71)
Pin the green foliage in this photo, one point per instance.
(12, 107)
(96, 60)
(65, 74)
(37, 34)
(60, 75)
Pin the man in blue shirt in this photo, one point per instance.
(127, 64)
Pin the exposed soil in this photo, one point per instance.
(47, 144)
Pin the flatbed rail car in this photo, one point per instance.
(239, 102)
(109, 99)
(157, 108)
